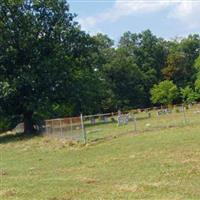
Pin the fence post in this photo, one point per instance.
(119, 118)
(185, 120)
(61, 128)
(51, 127)
(135, 125)
(46, 131)
(83, 129)
(71, 128)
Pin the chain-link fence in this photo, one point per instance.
(140, 120)
(94, 127)
(71, 128)
(110, 124)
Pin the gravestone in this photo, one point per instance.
(93, 121)
(122, 119)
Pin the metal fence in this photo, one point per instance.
(94, 127)
(140, 120)
(71, 128)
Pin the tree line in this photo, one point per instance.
(50, 68)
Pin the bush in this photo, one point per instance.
(164, 93)
(4, 125)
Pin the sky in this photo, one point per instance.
(165, 18)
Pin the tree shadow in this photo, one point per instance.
(15, 137)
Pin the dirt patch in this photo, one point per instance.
(190, 161)
(71, 194)
(127, 188)
(59, 198)
(3, 173)
(88, 180)
(7, 193)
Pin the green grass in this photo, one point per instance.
(143, 123)
(162, 164)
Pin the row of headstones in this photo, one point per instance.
(104, 119)
(169, 111)
(124, 118)
(121, 119)
(164, 112)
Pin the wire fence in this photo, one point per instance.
(94, 127)
(67, 128)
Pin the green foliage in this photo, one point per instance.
(179, 66)
(148, 51)
(175, 63)
(50, 68)
(188, 95)
(45, 57)
(126, 81)
(4, 124)
(197, 63)
(149, 54)
(164, 93)
(197, 85)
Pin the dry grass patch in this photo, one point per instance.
(129, 188)
(89, 180)
(7, 193)
(3, 173)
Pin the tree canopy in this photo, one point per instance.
(50, 68)
(164, 93)
(45, 59)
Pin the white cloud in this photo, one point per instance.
(125, 8)
(186, 11)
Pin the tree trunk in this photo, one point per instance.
(28, 123)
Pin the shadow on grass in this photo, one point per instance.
(15, 137)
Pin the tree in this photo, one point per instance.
(105, 51)
(104, 55)
(191, 47)
(180, 61)
(176, 68)
(197, 82)
(164, 93)
(188, 95)
(126, 81)
(197, 64)
(149, 54)
(44, 57)
(148, 51)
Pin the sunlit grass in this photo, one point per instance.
(160, 164)
(144, 123)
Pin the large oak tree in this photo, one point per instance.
(44, 58)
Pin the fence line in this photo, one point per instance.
(93, 127)
(69, 128)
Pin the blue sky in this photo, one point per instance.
(165, 18)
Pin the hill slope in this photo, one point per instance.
(155, 165)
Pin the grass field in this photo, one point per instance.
(144, 123)
(160, 164)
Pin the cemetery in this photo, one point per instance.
(162, 156)
(87, 128)
(96, 106)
